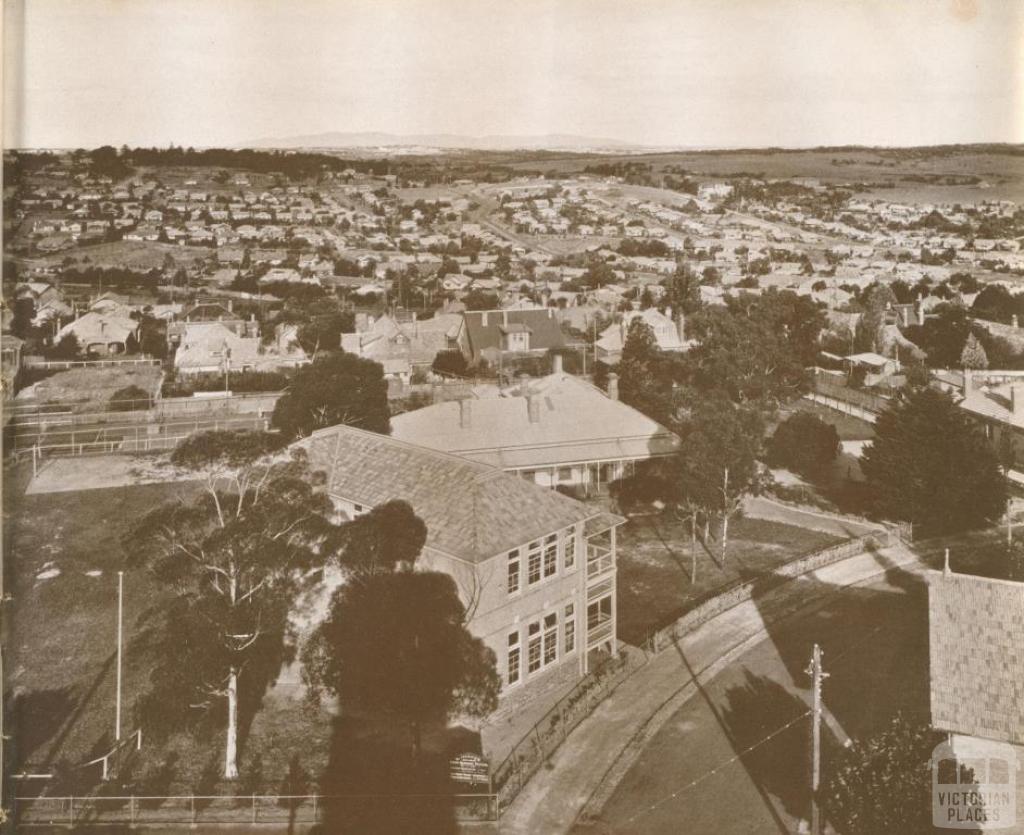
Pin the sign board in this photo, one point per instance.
(470, 768)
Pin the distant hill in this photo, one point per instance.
(335, 139)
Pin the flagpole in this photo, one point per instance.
(120, 634)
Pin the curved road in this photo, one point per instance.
(683, 718)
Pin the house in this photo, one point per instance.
(669, 333)
(48, 301)
(555, 431)
(101, 334)
(212, 311)
(976, 689)
(212, 348)
(535, 569)
(490, 334)
(10, 361)
(402, 347)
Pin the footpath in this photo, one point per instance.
(584, 771)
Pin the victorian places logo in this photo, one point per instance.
(974, 785)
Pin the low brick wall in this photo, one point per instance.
(743, 591)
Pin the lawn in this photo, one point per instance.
(849, 427)
(654, 566)
(64, 550)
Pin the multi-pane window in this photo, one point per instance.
(512, 667)
(533, 655)
(550, 638)
(551, 555)
(569, 549)
(513, 571)
(533, 563)
(569, 628)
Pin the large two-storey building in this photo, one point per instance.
(534, 568)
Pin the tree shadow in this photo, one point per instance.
(374, 784)
(767, 725)
(35, 718)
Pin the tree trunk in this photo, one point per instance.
(693, 549)
(725, 534)
(707, 528)
(231, 746)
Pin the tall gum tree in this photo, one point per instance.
(236, 555)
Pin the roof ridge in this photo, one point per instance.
(436, 453)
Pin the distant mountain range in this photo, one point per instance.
(335, 139)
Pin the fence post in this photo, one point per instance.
(71, 811)
(254, 807)
(131, 810)
(192, 806)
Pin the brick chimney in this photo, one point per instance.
(613, 386)
(465, 413)
(1014, 321)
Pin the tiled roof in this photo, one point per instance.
(576, 423)
(472, 511)
(976, 629)
(484, 328)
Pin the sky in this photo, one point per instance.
(682, 73)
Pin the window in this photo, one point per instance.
(599, 612)
(551, 555)
(513, 571)
(550, 638)
(569, 549)
(569, 628)
(512, 672)
(533, 656)
(533, 563)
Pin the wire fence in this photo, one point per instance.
(234, 810)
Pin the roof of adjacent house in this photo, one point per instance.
(99, 327)
(205, 344)
(665, 330)
(577, 423)
(483, 328)
(976, 631)
(995, 403)
(472, 511)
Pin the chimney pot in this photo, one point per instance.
(613, 386)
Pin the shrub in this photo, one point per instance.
(804, 443)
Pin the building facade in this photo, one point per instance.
(536, 570)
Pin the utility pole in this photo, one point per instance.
(120, 641)
(817, 676)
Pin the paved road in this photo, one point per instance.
(693, 774)
(594, 759)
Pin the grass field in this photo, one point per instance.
(64, 550)
(849, 427)
(654, 565)
(134, 255)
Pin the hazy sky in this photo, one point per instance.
(665, 72)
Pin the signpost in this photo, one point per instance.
(470, 768)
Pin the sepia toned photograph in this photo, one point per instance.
(558, 417)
